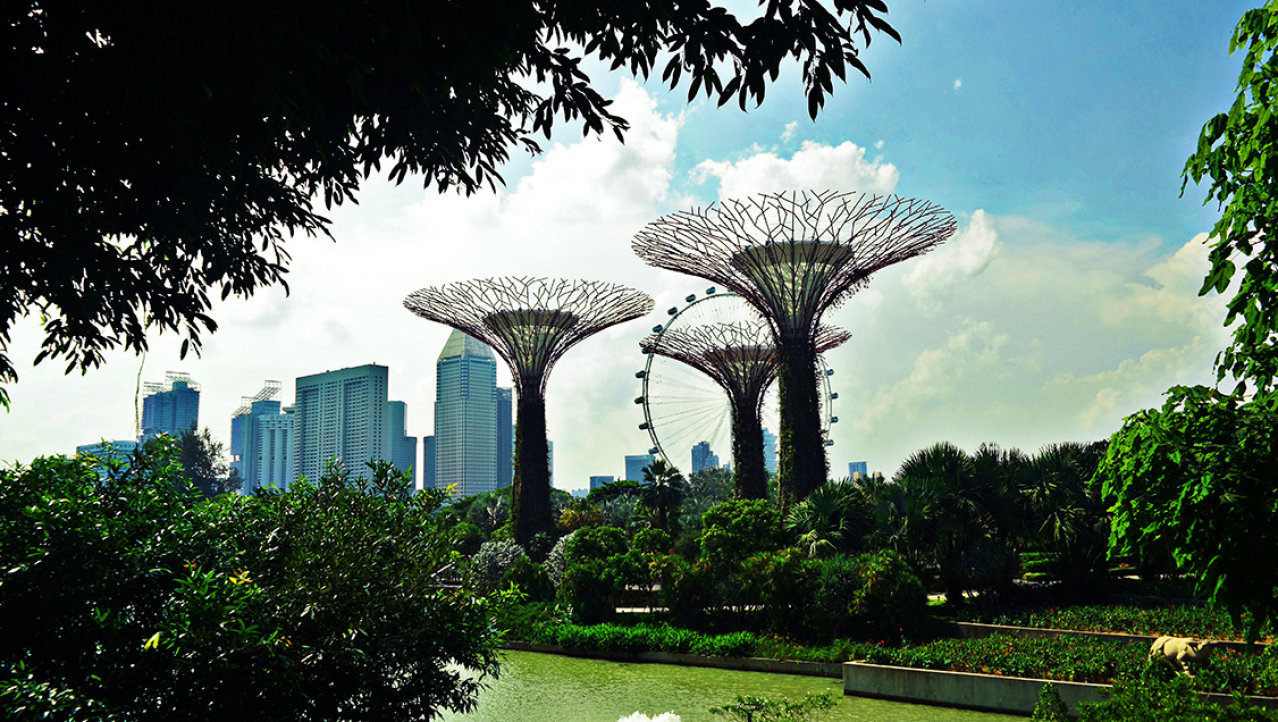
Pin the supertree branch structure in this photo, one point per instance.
(741, 359)
(794, 256)
(530, 323)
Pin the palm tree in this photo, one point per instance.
(834, 518)
(1070, 519)
(947, 515)
(662, 491)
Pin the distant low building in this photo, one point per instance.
(857, 469)
(109, 449)
(598, 481)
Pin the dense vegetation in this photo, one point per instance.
(126, 595)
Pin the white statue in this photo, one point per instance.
(1182, 651)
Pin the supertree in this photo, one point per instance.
(741, 359)
(531, 323)
(794, 256)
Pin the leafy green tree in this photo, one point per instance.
(1238, 151)
(134, 599)
(203, 460)
(250, 113)
(1195, 480)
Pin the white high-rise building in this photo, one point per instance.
(275, 450)
(466, 427)
(340, 414)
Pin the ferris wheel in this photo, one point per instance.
(683, 407)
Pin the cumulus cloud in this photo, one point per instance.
(814, 165)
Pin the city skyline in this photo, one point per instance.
(1067, 300)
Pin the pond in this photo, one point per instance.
(552, 688)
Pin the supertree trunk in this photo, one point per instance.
(802, 446)
(750, 473)
(530, 503)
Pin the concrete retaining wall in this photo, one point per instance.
(986, 692)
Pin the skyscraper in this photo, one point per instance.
(275, 450)
(466, 421)
(428, 462)
(170, 407)
(340, 414)
(858, 467)
(703, 457)
(635, 465)
(770, 451)
(403, 448)
(598, 481)
(505, 438)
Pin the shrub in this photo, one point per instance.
(531, 580)
(556, 563)
(492, 560)
(890, 601)
(1146, 699)
(778, 583)
(589, 595)
(736, 529)
(1050, 707)
(595, 544)
(652, 541)
(467, 538)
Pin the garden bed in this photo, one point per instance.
(1134, 620)
(978, 630)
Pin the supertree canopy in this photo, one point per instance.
(531, 323)
(741, 359)
(793, 256)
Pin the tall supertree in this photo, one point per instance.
(794, 256)
(741, 359)
(531, 323)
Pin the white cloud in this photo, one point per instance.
(790, 128)
(958, 83)
(814, 165)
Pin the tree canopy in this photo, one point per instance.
(1238, 152)
(155, 154)
(1195, 480)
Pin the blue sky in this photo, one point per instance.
(1055, 132)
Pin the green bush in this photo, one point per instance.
(736, 529)
(127, 597)
(890, 601)
(595, 543)
(1050, 707)
(652, 541)
(530, 578)
(1146, 699)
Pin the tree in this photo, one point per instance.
(1196, 479)
(661, 491)
(157, 155)
(1238, 151)
(203, 460)
(127, 598)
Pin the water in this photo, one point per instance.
(552, 688)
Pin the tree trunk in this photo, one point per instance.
(530, 502)
(750, 474)
(802, 448)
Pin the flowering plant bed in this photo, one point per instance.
(1179, 620)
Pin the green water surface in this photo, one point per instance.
(552, 688)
